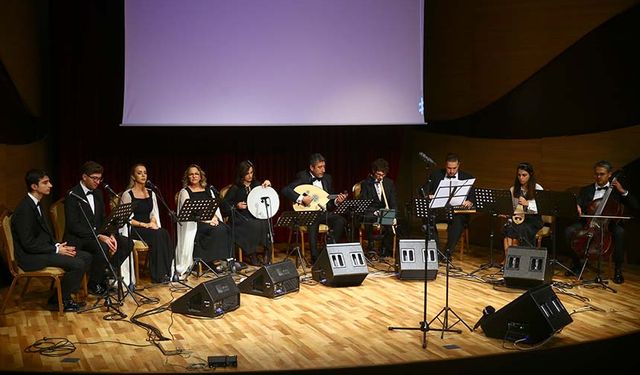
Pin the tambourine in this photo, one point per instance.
(263, 202)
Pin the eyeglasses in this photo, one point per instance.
(95, 178)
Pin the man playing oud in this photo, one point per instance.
(317, 177)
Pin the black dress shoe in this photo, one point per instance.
(618, 278)
(67, 306)
(97, 290)
(253, 260)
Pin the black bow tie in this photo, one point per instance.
(314, 179)
(601, 188)
(447, 176)
(89, 192)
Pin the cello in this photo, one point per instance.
(595, 238)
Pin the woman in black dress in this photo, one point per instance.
(145, 224)
(249, 232)
(207, 240)
(522, 227)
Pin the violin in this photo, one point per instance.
(595, 233)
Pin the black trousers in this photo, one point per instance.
(336, 225)
(97, 271)
(74, 268)
(617, 233)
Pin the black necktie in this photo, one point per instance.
(39, 208)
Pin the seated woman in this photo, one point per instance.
(145, 224)
(248, 231)
(205, 240)
(521, 228)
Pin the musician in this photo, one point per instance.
(207, 240)
(35, 247)
(145, 224)
(249, 232)
(523, 196)
(84, 213)
(316, 176)
(602, 172)
(383, 192)
(449, 173)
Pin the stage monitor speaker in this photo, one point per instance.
(532, 317)
(526, 267)
(272, 281)
(210, 298)
(412, 257)
(341, 264)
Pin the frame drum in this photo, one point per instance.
(256, 202)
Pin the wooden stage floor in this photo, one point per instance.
(318, 327)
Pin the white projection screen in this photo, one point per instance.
(273, 62)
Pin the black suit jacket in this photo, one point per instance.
(32, 234)
(588, 192)
(368, 191)
(76, 227)
(439, 175)
(305, 177)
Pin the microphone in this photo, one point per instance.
(77, 196)
(424, 195)
(150, 185)
(426, 159)
(485, 312)
(215, 191)
(110, 190)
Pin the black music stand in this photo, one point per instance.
(198, 210)
(559, 204)
(421, 210)
(351, 208)
(495, 202)
(293, 220)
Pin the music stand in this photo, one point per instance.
(495, 202)
(198, 210)
(421, 210)
(351, 208)
(559, 204)
(293, 220)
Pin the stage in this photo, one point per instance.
(319, 327)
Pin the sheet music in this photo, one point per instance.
(457, 189)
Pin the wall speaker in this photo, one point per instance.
(210, 298)
(272, 281)
(526, 267)
(412, 258)
(530, 318)
(341, 264)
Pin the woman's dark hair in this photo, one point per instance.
(531, 185)
(243, 169)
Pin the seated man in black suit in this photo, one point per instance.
(84, 202)
(316, 176)
(383, 192)
(450, 172)
(35, 246)
(603, 172)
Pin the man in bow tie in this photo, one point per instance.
(316, 176)
(86, 216)
(382, 191)
(457, 222)
(602, 173)
(35, 246)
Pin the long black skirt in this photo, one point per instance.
(160, 252)
(212, 242)
(250, 233)
(525, 232)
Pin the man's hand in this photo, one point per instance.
(341, 198)
(110, 241)
(467, 204)
(214, 221)
(616, 184)
(63, 249)
(306, 200)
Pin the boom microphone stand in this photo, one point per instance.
(422, 210)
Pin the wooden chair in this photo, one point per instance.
(357, 189)
(462, 244)
(139, 247)
(56, 213)
(546, 230)
(54, 273)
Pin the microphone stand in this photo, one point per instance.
(270, 233)
(117, 314)
(231, 260)
(174, 220)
